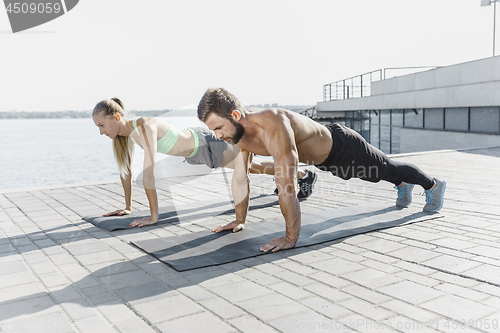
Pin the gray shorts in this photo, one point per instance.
(210, 149)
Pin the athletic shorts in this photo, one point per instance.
(352, 157)
(209, 149)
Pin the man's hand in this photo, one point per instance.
(118, 212)
(277, 244)
(142, 222)
(235, 226)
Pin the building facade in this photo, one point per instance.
(448, 107)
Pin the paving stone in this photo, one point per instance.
(145, 292)
(49, 323)
(290, 290)
(222, 279)
(293, 278)
(167, 308)
(414, 254)
(462, 292)
(78, 308)
(327, 292)
(337, 266)
(330, 279)
(328, 309)
(13, 267)
(191, 324)
(38, 304)
(298, 268)
(197, 293)
(99, 257)
(93, 324)
(363, 324)
(451, 264)
(404, 324)
(310, 257)
(486, 273)
(20, 292)
(307, 322)
(370, 310)
(133, 326)
(249, 324)
(126, 279)
(241, 291)
(382, 245)
(258, 276)
(63, 294)
(116, 311)
(458, 308)
(390, 269)
(221, 308)
(365, 294)
(371, 278)
(410, 292)
(410, 311)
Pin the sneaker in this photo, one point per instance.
(404, 195)
(435, 197)
(306, 184)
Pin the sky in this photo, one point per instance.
(163, 54)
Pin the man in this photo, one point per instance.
(291, 138)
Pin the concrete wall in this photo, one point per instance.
(475, 83)
(414, 140)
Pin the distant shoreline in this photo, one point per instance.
(73, 114)
(149, 113)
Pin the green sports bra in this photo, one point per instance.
(167, 142)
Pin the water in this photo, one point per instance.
(49, 152)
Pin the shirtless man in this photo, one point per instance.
(291, 138)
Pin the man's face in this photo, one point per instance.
(225, 129)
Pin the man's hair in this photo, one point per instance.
(218, 101)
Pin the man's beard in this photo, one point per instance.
(240, 130)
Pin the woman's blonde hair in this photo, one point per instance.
(124, 152)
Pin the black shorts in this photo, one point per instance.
(352, 157)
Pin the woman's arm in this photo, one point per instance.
(148, 136)
(127, 190)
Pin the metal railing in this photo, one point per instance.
(360, 85)
(311, 112)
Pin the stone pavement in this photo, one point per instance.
(61, 274)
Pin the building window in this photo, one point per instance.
(434, 118)
(374, 128)
(385, 117)
(414, 118)
(456, 119)
(397, 118)
(485, 119)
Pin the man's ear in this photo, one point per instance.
(236, 115)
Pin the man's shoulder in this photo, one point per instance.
(268, 115)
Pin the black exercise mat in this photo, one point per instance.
(180, 213)
(205, 248)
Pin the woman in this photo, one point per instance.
(197, 145)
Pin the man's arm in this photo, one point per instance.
(280, 143)
(240, 188)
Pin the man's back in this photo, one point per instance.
(313, 140)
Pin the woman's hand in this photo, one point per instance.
(142, 222)
(118, 212)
